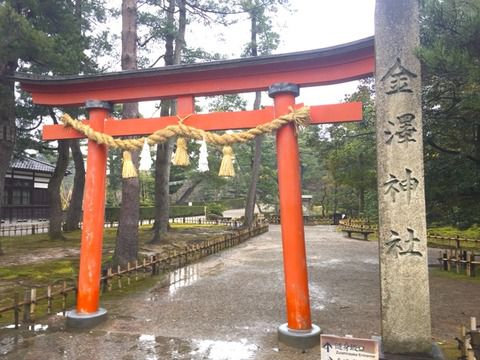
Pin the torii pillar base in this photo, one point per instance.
(77, 320)
(299, 339)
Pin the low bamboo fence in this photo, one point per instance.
(42, 227)
(448, 242)
(460, 261)
(459, 254)
(469, 341)
(307, 219)
(55, 297)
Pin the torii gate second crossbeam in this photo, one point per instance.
(280, 74)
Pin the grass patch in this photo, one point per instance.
(36, 261)
(41, 272)
(135, 286)
(454, 276)
(472, 233)
(450, 350)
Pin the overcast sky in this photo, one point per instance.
(312, 24)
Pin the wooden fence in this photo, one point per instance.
(469, 341)
(307, 219)
(450, 242)
(42, 227)
(358, 224)
(460, 253)
(54, 297)
(460, 261)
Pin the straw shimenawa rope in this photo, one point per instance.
(300, 118)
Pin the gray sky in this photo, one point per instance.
(312, 24)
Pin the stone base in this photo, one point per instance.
(302, 340)
(85, 321)
(436, 354)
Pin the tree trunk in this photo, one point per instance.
(323, 202)
(126, 248)
(164, 151)
(162, 198)
(54, 198)
(74, 212)
(361, 188)
(257, 155)
(255, 172)
(361, 201)
(7, 122)
(184, 193)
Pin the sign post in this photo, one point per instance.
(348, 348)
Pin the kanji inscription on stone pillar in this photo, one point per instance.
(406, 324)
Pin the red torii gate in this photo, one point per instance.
(282, 75)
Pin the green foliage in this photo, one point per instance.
(43, 271)
(147, 189)
(338, 162)
(216, 209)
(20, 38)
(472, 232)
(451, 76)
(42, 37)
(230, 102)
(233, 203)
(114, 177)
(112, 213)
(264, 39)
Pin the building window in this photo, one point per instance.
(18, 192)
(16, 197)
(26, 197)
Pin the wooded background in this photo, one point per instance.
(338, 161)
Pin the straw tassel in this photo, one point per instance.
(226, 168)
(128, 170)
(145, 158)
(181, 155)
(203, 157)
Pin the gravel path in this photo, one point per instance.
(228, 306)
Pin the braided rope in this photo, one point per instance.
(300, 118)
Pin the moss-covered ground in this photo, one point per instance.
(35, 261)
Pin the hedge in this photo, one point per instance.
(113, 213)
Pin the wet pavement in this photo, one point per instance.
(226, 306)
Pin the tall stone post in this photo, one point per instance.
(406, 324)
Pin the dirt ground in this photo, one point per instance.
(229, 306)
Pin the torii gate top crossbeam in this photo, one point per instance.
(307, 68)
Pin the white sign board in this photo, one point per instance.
(346, 348)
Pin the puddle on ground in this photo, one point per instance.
(185, 276)
(33, 327)
(11, 340)
(327, 263)
(8, 343)
(147, 344)
(318, 297)
(223, 350)
(182, 277)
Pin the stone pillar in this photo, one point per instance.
(402, 225)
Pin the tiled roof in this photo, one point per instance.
(28, 163)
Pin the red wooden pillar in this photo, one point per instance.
(88, 312)
(298, 331)
(185, 105)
